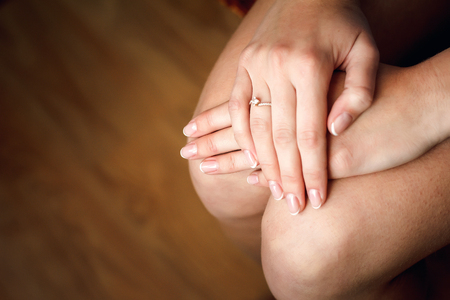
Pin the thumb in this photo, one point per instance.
(361, 69)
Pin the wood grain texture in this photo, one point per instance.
(95, 201)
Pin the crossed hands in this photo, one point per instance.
(289, 63)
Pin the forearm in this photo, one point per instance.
(437, 78)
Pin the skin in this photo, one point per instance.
(422, 124)
(289, 62)
(369, 239)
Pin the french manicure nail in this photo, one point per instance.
(209, 166)
(252, 179)
(315, 198)
(251, 159)
(190, 128)
(188, 151)
(293, 204)
(341, 123)
(276, 190)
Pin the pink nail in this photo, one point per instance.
(341, 123)
(209, 166)
(190, 128)
(315, 198)
(188, 151)
(252, 179)
(276, 190)
(293, 204)
(251, 159)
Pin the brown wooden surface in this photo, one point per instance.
(95, 201)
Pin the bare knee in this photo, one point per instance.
(208, 189)
(308, 259)
(228, 196)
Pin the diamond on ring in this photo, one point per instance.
(256, 102)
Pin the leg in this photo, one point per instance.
(237, 205)
(373, 228)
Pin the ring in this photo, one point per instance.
(256, 102)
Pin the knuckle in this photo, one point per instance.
(267, 165)
(313, 175)
(310, 59)
(234, 104)
(259, 125)
(283, 136)
(279, 54)
(239, 134)
(247, 54)
(361, 97)
(341, 160)
(207, 120)
(211, 146)
(309, 139)
(230, 163)
(290, 179)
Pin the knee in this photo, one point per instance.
(308, 260)
(205, 188)
(228, 196)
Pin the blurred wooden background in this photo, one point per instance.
(95, 201)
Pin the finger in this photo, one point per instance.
(208, 121)
(361, 67)
(261, 128)
(225, 164)
(216, 143)
(257, 178)
(238, 108)
(285, 141)
(311, 86)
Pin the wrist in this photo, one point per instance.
(435, 89)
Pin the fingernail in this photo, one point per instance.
(315, 198)
(293, 204)
(188, 151)
(252, 179)
(190, 128)
(276, 190)
(341, 123)
(251, 159)
(209, 166)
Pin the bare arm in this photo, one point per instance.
(237, 205)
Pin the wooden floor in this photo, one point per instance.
(95, 201)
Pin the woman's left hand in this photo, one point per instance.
(289, 63)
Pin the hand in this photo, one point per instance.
(213, 139)
(406, 120)
(401, 125)
(289, 63)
